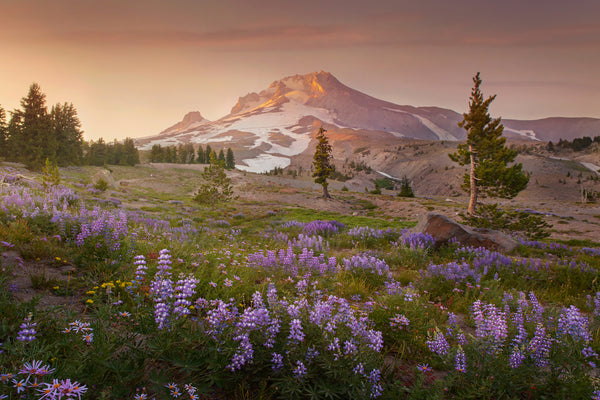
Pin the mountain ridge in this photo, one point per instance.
(270, 127)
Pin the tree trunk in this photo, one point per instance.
(325, 192)
(473, 183)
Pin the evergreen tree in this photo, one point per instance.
(323, 162)
(229, 159)
(405, 188)
(97, 153)
(30, 130)
(131, 155)
(221, 156)
(216, 187)
(189, 153)
(3, 133)
(200, 159)
(486, 153)
(67, 133)
(156, 154)
(207, 154)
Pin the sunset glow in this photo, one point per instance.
(134, 68)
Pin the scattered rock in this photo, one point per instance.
(105, 175)
(444, 230)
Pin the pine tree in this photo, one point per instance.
(486, 153)
(30, 130)
(131, 155)
(323, 162)
(229, 159)
(181, 154)
(221, 156)
(189, 153)
(3, 133)
(200, 159)
(66, 129)
(207, 154)
(156, 153)
(216, 187)
(97, 153)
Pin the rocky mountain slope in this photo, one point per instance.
(274, 127)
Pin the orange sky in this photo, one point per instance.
(133, 68)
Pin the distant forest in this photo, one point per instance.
(578, 144)
(185, 154)
(33, 135)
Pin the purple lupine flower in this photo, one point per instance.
(393, 287)
(141, 268)
(349, 347)
(537, 308)
(460, 361)
(184, 290)
(323, 227)
(516, 357)
(27, 330)
(365, 262)
(539, 346)
(164, 263)
(374, 379)
(300, 370)
(490, 325)
(439, 345)
(359, 369)
(277, 361)
(573, 323)
(311, 354)
(417, 240)
(296, 334)
(243, 355)
(271, 333)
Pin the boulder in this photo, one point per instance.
(444, 230)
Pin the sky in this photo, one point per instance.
(134, 68)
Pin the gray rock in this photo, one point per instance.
(444, 230)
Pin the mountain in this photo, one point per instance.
(269, 128)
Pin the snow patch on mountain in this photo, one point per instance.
(528, 133)
(263, 163)
(264, 124)
(442, 134)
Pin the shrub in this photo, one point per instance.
(524, 223)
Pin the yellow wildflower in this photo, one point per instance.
(89, 301)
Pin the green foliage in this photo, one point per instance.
(34, 134)
(100, 153)
(322, 161)
(3, 133)
(405, 188)
(101, 185)
(229, 159)
(523, 223)
(216, 187)
(50, 175)
(385, 183)
(201, 156)
(486, 152)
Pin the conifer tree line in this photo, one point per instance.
(186, 154)
(34, 134)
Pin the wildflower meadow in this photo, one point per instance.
(104, 298)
